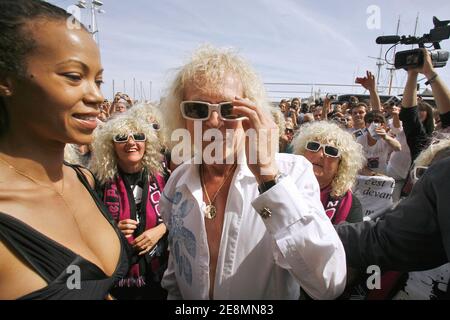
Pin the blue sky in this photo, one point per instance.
(286, 41)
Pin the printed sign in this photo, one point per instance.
(374, 193)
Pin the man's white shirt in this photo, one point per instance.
(258, 258)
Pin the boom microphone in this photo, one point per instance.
(387, 39)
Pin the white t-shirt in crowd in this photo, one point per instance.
(399, 161)
(358, 132)
(377, 155)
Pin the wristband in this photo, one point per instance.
(432, 79)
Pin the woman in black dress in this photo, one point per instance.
(55, 239)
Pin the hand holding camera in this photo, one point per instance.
(416, 58)
(426, 67)
(381, 132)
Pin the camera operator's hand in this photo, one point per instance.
(427, 68)
(368, 82)
(441, 92)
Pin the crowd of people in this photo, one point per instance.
(269, 202)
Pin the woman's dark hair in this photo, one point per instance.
(428, 123)
(15, 42)
(372, 116)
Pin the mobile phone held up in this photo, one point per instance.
(372, 131)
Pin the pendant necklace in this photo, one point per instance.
(23, 174)
(210, 211)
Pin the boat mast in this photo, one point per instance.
(415, 27)
(392, 69)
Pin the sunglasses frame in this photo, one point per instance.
(211, 107)
(128, 138)
(323, 146)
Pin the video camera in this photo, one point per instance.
(415, 58)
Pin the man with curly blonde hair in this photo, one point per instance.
(249, 224)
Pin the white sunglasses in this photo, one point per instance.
(200, 110)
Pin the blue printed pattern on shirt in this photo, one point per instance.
(180, 236)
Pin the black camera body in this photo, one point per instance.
(415, 58)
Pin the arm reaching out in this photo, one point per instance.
(369, 83)
(441, 92)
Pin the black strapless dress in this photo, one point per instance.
(60, 267)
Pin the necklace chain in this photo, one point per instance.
(210, 211)
(33, 179)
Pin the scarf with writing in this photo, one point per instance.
(337, 209)
(119, 199)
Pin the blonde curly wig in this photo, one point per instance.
(427, 156)
(149, 113)
(104, 159)
(71, 155)
(207, 70)
(278, 118)
(352, 157)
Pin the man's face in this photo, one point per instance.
(318, 114)
(231, 88)
(358, 114)
(349, 121)
(388, 110)
(289, 133)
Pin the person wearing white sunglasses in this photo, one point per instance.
(336, 158)
(241, 227)
(126, 160)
